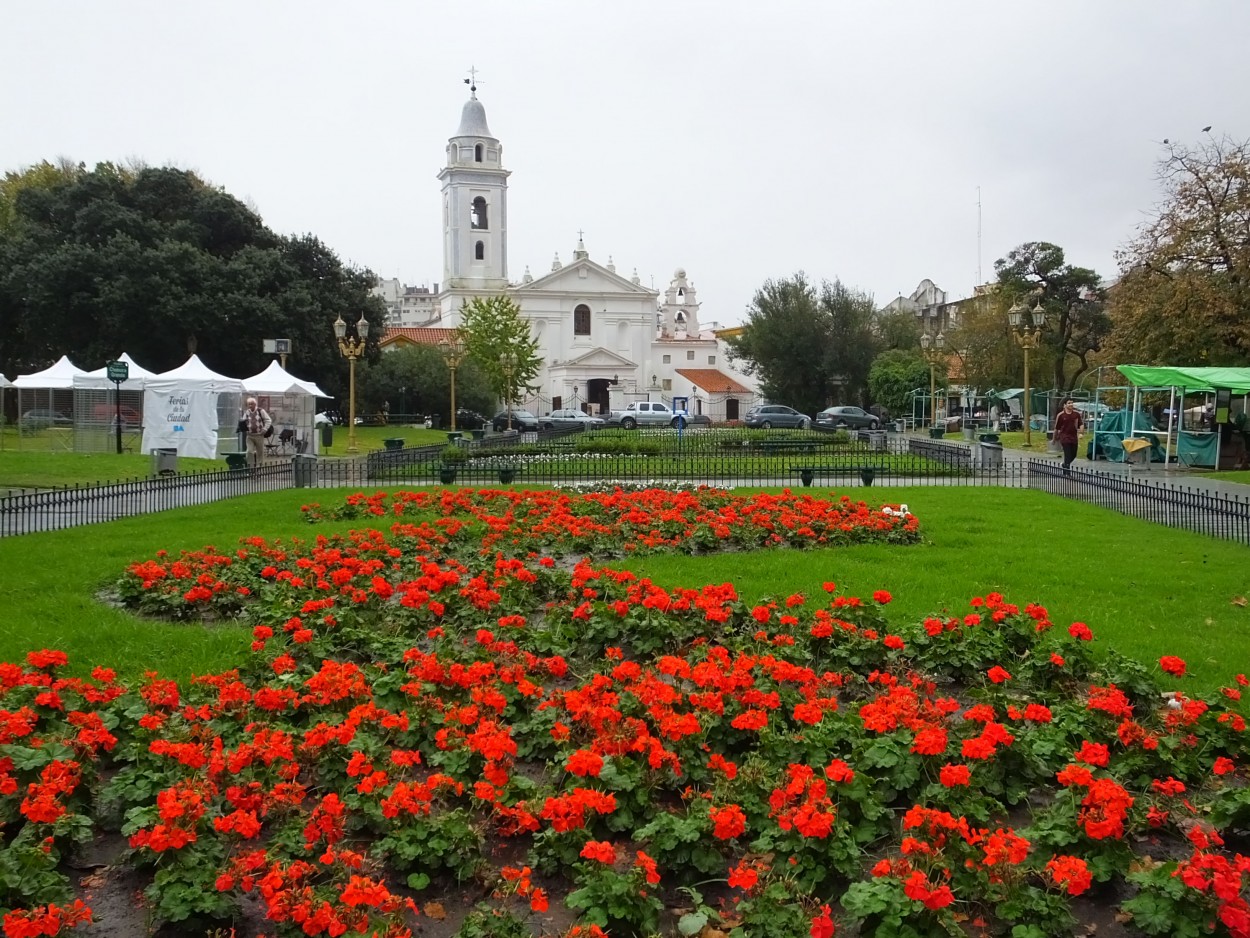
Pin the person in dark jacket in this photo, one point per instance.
(1068, 429)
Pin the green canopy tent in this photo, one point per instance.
(1192, 449)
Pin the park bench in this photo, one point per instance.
(807, 474)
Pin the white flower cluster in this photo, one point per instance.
(901, 511)
(603, 485)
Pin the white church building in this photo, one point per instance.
(605, 338)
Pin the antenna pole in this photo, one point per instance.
(979, 281)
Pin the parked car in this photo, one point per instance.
(854, 418)
(107, 414)
(470, 419)
(521, 420)
(767, 416)
(648, 414)
(40, 418)
(571, 419)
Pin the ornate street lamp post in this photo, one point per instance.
(453, 352)
(1028, 337)
(351, 349)
(933, 350)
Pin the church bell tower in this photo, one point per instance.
(475, 206)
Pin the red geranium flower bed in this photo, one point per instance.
(449, 702)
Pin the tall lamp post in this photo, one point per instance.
(453, 352)
(933, 350)
(508, 366)
(351, 349)
(1028, 337)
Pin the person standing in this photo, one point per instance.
(1068, 429)
(258, 423)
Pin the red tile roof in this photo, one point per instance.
(415, 336)
(713, 381)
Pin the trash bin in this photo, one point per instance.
(969, 434)
(900, 426)
(436, 422)
(936, 433)
(305, 469)
(454, 436)
(235, 462)
(327, 435)
(393, 443)
(876, 439)
(164, 461)
(478, 434)
(991, 454)
(989, 438)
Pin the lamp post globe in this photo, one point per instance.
(351, 349)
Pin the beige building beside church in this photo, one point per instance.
(605, 338)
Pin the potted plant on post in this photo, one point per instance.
(452, 458)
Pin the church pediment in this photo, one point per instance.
(598, 358)
(583, 276)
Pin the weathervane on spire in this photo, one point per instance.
(471, 81)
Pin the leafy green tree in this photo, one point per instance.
(500, 342)
(894, 374)
(1077, 322)
(1184, 292)
(157, 263)
(808, 344)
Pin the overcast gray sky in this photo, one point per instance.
(741, 141)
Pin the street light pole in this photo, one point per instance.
(1028, 337)
(351, 349)
(933, 350)
(453, 351)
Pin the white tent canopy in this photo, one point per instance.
(277, 380)
(5, 382)
(98, 379)
(291, 403)
(57, 377)
(191, 409)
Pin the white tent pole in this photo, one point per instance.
(1167, 448)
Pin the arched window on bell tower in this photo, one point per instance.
(479, 251)
(477, 153)
(477, 218)
(581, 320)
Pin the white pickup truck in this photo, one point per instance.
(648, 414)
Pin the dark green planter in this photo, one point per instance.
(806, 476)
(507, 476)
(447, 475)
(867, 475)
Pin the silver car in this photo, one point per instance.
(767, 416)
(854, 418)
(570, 418)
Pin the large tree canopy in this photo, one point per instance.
(1184, 291)
(157, 263)
(808, 345)
(1076, 322)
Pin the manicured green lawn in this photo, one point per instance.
(1144, 590)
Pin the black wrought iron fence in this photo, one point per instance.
(1175, 505)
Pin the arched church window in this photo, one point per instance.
(477, 219)
(581, 320)
(477, 153)
(479, 251)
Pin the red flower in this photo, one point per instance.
(743, 877)
(998, 675)
(882, 596)
(584, 762)
(728, 822)
(952, 775)
(1080, 630)
(822, 924)
(1172, 665)
(1070, 873)
(600, 850)
(1093, 754)
(1223, 765)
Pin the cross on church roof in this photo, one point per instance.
(579, 234)
(471, 81)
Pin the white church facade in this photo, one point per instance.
(605, 339)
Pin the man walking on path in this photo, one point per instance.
(258, 424)
(1068, 427)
